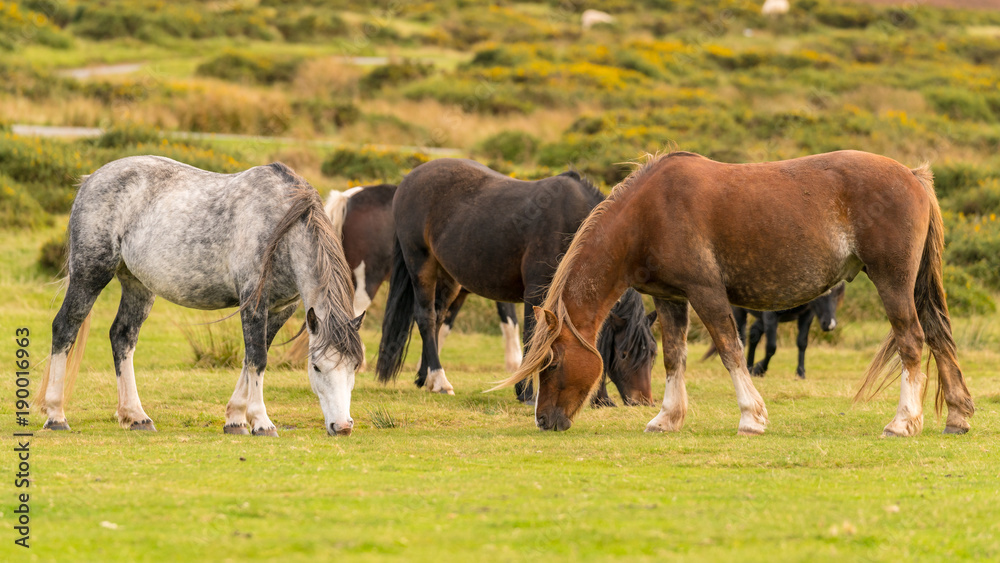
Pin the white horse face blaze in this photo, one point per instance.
(333, 380)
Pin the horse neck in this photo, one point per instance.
(303, 249)
(595, 280)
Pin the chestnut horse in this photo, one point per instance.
(672, 230)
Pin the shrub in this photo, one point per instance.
(122, 135)
(845, 16)
(959, 103)
(473, 96)
(296, 27)
(371, 164)
(18, 208)
(53, 255)
(512, 146)
(983, 199)
(973, 242)
(324, 112)
(952, 178)
(393, 74)
(236, 66)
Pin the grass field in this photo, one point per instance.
(454, 478)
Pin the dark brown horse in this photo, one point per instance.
(363, 215)
(670, 230)
(462, 225)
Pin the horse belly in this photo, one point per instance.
(784, 280)
(198, 280)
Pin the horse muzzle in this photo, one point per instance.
(341, 428)
(553, 420)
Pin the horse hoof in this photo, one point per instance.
(270, 432)
(53, 425)
(143, 425)
(890, 434)
(446, 391)
(749, 432)
(529, 402)
(235, 429)
(955, 430)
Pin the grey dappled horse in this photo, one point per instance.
(258, 239)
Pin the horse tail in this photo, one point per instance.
(929, 297)
(712, 350)
(73, 362)
(398, 318)
(336, 208)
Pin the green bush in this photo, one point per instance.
(983, 199)
(959, 103)
(471, 95)
(956, 177)
(18, 208)
(323, 112)
(122, 135)
(845, 16)
(512, 146)
(53, 255)
(298, 28)
(248, 68)
(394, 74)
(973, 242)
(369, 164)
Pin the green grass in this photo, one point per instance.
(454, 478)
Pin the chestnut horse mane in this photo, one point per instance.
(539, 354)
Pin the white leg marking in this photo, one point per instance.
(361, 298)
(753, 413)
(54, 393)
(438, 383)
(909, 420)
(256, 412)
(675, 405)
(236, 410)
(129, 406)
(512, 355)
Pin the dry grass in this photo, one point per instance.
(450, 126)
(327, 77)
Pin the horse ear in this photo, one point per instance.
(651, 318)
(545, 317)
(311, 321)
(356, 323)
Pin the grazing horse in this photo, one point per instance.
(258, 239)
(462, 225)
(668, 230)
(823, 308)
(363, 217)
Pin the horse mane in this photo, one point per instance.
(332, 271)
(595, 193)
(336, 208)
(630, 308)
(540, 349)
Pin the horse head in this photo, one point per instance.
(335, 352)
(825, 307)
(628, 349)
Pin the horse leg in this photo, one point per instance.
(673, 317)
(713, 308)
(135, 304)
(431, 375)
(246, 406)
(448, 321)
(512, 354)
(85, 285)
(897, 298)
(756, 331)
(805, 321)
(740, 314)
(770, 320)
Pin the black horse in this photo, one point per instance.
(823, 307)
(462, 225)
